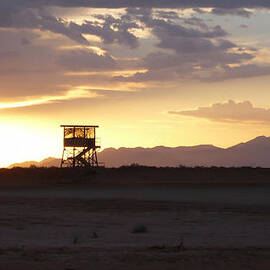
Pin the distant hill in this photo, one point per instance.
(254, 153)
(48, 162)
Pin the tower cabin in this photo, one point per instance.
(80, 146)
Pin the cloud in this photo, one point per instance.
(229, 112)
(79, 60)
(189, 50)
(238, 72)
(162, 27)
(173, 49)
(243, 26)
(157, 3)
(232, 11)
(194, 21)
(42, 19)
(37, 15)
(50, 66)
(19, 15)
(112, 30)
(71, 94)
(9, 55)
(172, 15)
(148, 76)
(25, 41)
(24, 14)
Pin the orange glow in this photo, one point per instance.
(94, 49)
(22, 142)
(39, 139)
(124, 73)
(72, 94)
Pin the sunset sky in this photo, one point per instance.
(148, 72)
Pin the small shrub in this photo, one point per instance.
(180, 246)
(140, 229)
(75, 239)
(170, 248)
(94, 235)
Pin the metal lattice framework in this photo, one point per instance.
(80, 146)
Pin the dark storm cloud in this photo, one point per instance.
(229, 111)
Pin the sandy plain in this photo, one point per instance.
(83, 227)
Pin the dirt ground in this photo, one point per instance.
(46, 230)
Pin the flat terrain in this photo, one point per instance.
(83, 227)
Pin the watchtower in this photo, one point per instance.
(80, 146)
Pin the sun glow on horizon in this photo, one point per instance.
(35, 141)
(22, 142)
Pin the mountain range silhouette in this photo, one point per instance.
(254, 153)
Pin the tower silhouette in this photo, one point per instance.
(80, 146)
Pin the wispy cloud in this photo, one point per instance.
(72, 94)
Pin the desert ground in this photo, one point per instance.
(135, 227)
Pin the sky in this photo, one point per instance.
(148, 72)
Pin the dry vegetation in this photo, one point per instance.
(133, 174)
(36, 176)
